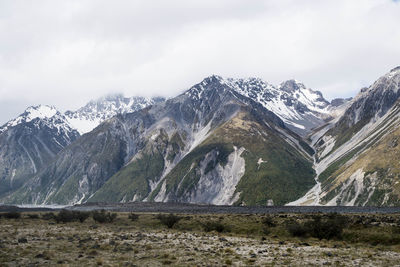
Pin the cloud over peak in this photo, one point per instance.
(53, 51)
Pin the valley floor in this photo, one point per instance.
(243, 240)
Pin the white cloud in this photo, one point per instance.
(68, 52)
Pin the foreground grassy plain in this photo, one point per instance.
(144, 239)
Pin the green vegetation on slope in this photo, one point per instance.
(380, 164)
(283, 174)
(133, 180)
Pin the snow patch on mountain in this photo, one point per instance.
(41, 111)
(83, 125)
(95, 112)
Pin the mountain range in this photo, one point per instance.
(223, 141)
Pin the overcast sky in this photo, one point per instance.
(66, 53)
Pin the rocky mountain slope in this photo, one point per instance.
(32, 140)
(221, 159)
(29, 142)
(208, 145)
(301, 108)
(224, 141)
(357, 155)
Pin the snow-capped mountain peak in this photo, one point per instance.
(298, 106)
(86, 118)
(40, 111)
(389, 81)
(374, 101)
(31, 113)
(92, 114)
(394, 71)
(314, 100)
(291, 86)
(392, 79)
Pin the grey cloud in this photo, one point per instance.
(68, 52)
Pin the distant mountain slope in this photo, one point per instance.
(243, 162)
(210, 137)
(223, 141)
(32, 140)
(221, 162)
(29, 142)
(357, 156)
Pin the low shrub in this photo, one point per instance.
(82, 216)
(33, 216)
(48, 216)
(133, 217)
(268, 221)
(71, 216)
(322, 228)
(103, 216)
(329, 228)
(214, 226)
(296, 229)
(168, 220)
(64, 216)
(373, 237)
(266, 230)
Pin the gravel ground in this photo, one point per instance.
(40, 243)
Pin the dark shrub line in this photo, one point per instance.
(12, 215)
(328, 228)
(65, 216)
(168, 220)
(214, 226)
(133, 217)
(103, 216)
(48, 216)
(33, 216)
